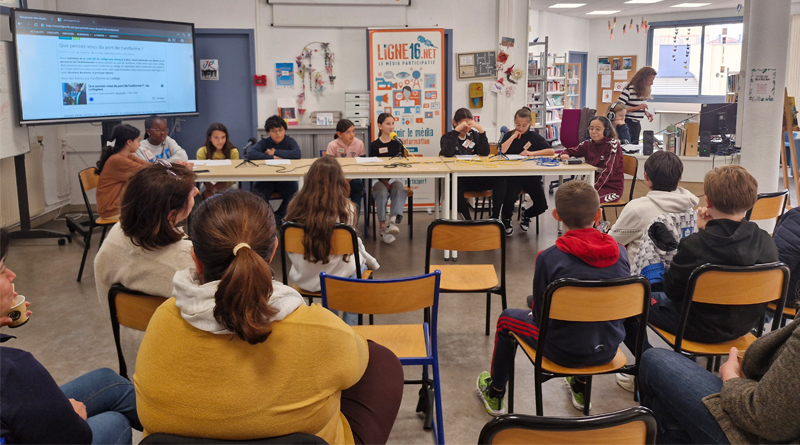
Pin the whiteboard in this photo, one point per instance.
(13, 138)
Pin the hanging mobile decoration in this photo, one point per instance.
(612, 34)
(623, 29)
(609, 25)
(637, 29)
(615, 22)
(306, 71)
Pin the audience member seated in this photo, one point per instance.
(217, 146)
(724, 238)
(144, 250)
(752, 402)
(319, 205)
(787, 239)
(662, 173)
(277, 146)
(97, 407)
(115, 167)
(237, 356)
(583, 253)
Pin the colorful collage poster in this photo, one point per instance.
(406, 76)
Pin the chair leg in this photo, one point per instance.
(371, 319)
(503, 300)
(373, 208)
(411, 217)
(360, 319)
(604, 214)
(437, 393)
(537, 224)
(511, 377)
(521, 202)
(537, 380)
(587, 396)
(87, 244)
(488, 312)
(103, 236)
(709, 363)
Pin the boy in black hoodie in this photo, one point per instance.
(583, 253)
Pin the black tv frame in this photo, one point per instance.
(116, 118)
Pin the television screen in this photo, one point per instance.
(77, 68)
(718, 119)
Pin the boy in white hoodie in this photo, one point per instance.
(662, 173)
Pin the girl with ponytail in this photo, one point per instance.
(234, 341)
(116, 166)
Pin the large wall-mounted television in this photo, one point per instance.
(88, 68)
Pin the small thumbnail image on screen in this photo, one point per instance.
(74, 93)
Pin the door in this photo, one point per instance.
(230, 100)
(583, 59)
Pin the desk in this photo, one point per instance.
(230, 173)
(313, 138)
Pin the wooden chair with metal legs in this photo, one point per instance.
(132, 309)
(480, 194)
(630, 166)
(635, 425)
(469, 236)
(413, 344)
(729, 285)
(87, 178)
(343, 242)
(769, 206)
(586, 301)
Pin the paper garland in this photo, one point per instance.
(306, 70)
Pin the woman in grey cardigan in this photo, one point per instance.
(757, 402)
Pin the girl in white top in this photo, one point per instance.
(158, 145)
(318, 206)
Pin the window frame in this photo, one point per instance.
(699, 98)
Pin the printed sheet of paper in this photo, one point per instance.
(369, 160)
(605, 81)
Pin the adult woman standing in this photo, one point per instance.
(234, 341)
(634, 97)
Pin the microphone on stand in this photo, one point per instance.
(400, 141)
(246, 159)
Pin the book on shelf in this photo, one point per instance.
(533, 66)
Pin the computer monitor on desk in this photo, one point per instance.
(719, 122)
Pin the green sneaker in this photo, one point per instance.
(576, 388)
(494, 406)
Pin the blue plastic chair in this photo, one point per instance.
(413, 344)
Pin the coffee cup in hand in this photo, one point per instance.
(18, 313)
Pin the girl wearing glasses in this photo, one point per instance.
(116, 166)
(158, 145)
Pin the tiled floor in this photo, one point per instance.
(70, 335)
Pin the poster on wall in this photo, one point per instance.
(762, 84)
(284, 75)
(209, 69)
(407, 68)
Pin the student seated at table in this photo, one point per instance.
(583, 253)
(384, 189)
(97, 407)
(345, 144)
(117, 164)
(724, 238)
(469, 138)
(662, 173)
(319, 205)
(236, 355)
(526, 142)
(144, 250)
(217, 146)
(603, 151)
(277, 146)
(158, 145)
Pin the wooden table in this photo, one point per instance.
(261, 172)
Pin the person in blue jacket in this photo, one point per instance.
(277, 146)
(97, 407)
(787, 239)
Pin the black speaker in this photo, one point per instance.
(647, 142)
(704, 148)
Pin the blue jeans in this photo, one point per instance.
(664, 314)
(623, 133)
(673, 387)
(110, 401)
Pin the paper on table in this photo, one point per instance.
(197, 162)
(516, 157)
(605, 81)
(466, 157)
(369, 160)
(277, 161)
(620, 75)
(213, 162)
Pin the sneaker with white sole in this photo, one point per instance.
(525, 224)
(387, 237)
(493, 405)
(577, 388)
(509, 227)
(626, 382)
(392, 229)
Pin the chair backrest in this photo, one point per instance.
(629, 426)
(87, 178)
(466, 236)
(651, 260)
(344, 241)
(393, 296)
(132, 309)
(570, 125)
(768, 206)
(289, 439)
(630, 166)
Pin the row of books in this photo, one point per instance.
(555, 71)
(551, 132)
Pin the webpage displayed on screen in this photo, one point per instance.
(73, 66)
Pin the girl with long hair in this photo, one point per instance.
(116, 166)
(345, 144)
(217, 146)
(319, 205)
(634, 97)
(603, 151)
(234, 341)
(387, 147)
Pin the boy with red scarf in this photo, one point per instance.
(583, 253)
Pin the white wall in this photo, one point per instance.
(566, 33)
(476, 26)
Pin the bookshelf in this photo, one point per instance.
(732, 91)
(536, 84)
(573, 97)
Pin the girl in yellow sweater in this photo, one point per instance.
(217, 146)
(237, 356)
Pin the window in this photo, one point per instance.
(693, 58)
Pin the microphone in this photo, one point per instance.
(250, 143)
(246, 159)
(400, 141)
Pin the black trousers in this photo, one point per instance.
(477, 184)
(533, 186)
(635, 128)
